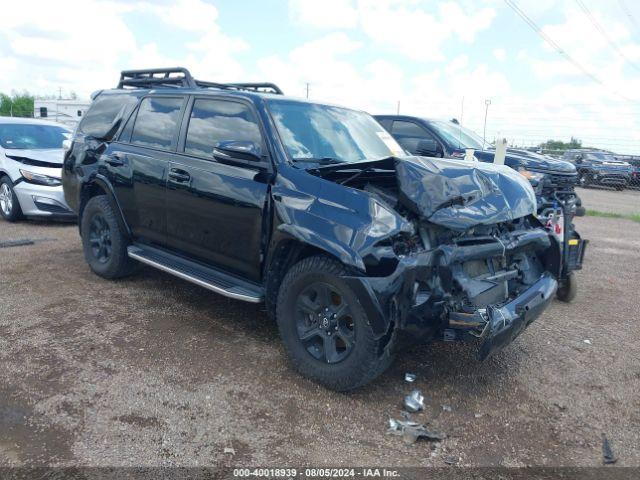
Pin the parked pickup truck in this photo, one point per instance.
(356, 248)
(599, 168)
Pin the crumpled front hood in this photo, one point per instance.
(50, 155)
(458, 194)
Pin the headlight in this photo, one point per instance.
(531, 176)
(40, 179)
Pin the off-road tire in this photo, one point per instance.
(366, 361)
(118, 263)
(584, 180)
(15, 213)
(568, 288)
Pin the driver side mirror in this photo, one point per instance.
(238, 149)
(428, 148)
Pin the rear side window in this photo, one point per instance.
(103, 112)
(214, 121)
(157, 122)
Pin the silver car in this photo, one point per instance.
(31, 157)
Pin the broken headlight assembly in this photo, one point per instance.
(39, 179)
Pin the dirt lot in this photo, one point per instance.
(605, 199)
(152, 370)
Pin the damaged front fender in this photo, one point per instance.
(344, 222)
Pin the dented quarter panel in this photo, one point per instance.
(458, 194)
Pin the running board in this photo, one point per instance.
(207, 277)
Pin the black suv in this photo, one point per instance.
(599, 168)
(553, 180)
(356, 248)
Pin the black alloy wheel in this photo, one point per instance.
(100, 238)
(324, 323)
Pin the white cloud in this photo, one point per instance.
(83, 44)
(323, 13)
(406, 28)
(500, 54)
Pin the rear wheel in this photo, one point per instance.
(103, 242)
(324, 328)
(568, 289)
(9, 205)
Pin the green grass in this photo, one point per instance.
(635, 217)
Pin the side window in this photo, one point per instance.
(125, 135)
(409, 134)
(386, 123)
(103, 111)
(157, 122)
(43, 112)
(213, 121)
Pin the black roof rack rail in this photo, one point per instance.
(181, 77)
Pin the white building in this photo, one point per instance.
(69, 112)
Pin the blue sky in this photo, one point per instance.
(367, 54)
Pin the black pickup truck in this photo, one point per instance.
(599, 168)
(356, 248)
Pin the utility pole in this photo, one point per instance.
(398, 108)
(59, 93)
(487, 102)
(307, 84)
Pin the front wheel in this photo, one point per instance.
(568, 288)
(583, 179)
(9, 205)
(324, 329)
(103, 242)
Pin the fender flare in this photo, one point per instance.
(103, 182)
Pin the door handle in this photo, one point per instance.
(179, 176)
(115, 160)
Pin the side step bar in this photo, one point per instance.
(207, 277)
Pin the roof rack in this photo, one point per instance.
(181, 77)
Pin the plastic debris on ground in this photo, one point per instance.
(412, 431)
(450, 460)
(447, 408)
(409, 377)
(414, 402)
(607, 452)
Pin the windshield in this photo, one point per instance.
(602, 157)
(31, 136)
(320, 132)
(457, 135)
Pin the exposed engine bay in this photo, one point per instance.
(455, 275)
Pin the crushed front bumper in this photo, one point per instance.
(505, 323)
(399, 307)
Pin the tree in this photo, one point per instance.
(16, 105)
(560, 145)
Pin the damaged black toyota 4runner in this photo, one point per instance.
(357, 249)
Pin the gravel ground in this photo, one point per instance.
(152, 370)
(605, 199)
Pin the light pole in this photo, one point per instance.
(487, 102)
(307, 89)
